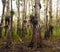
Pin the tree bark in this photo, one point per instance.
(56, 15)
(50, 18)
(36, 37)
(50, 12)
(18, 20)
(2, 18)
(7, 15)
(46, 17)
(24, 20)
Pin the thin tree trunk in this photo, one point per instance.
(46, 16)
(2, 18)
(50, 18)
(56, 15)
(24, 20)
(18, 20)
(11, 19)
(3, 14)
(7, 12)
(50, 12)
(9, 29)
(32, 2)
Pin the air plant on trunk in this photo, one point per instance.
(36, 40)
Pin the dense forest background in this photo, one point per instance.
(29, 25)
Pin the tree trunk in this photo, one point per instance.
(7, 15)
(18, 20)
(36, 37)
(50, 18)
(46, 16)
(56, 15)
(2, 18)
(32, 2)
(12, 13)
(9, 29)
(50, 11)
(24, 19)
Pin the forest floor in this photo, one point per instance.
(51, 45)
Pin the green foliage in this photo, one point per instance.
(56, 33)
(44, 1)
(6, 14)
